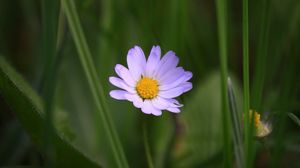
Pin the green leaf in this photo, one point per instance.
(28, 108)
(203, 120)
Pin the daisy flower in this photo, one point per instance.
(151, 84)
(262, 128)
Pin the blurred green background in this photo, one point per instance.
(192, 138)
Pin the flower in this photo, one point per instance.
(151, 85)
(262, 128)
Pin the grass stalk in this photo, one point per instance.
(236, 127)
(222, 31)
(50, 10)
(246, 100)
(261, 57)
(94, 82)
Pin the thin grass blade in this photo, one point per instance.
(236, 126)
(94, 82)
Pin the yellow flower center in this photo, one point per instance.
(147, 88)
(257, 121)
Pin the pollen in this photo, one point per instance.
(147, 88)
(256, 115)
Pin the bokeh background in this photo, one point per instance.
(192, 138)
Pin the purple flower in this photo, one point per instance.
(151, 85)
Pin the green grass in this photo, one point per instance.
(57, 56)
(221, 7)
(91, 74)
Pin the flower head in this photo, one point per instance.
(151, 84)
(262, 128)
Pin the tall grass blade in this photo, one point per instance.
(236, 126)
(261, 57)
(246, 100)
(50, 10)
(94, 82)
(222, 31)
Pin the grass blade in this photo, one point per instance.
(30, 112)
(246, 100)
(235, 120)
(94, 82)
(261, 57)
(222, 31)
(50, 11)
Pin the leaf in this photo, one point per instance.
(202, 118)
(294, 118)
(28, 108)
(203, 121)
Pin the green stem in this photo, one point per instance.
(222, 21)
(261, 57)
(246, 101)
(94, 82)
(147, 146)
(49, 77)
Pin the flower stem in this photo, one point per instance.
(264, 144)
(147, 147)
(94, 82)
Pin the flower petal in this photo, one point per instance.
(124, 73)
(172, 75)
(135, 99)
(136, 62)
(118, 94)
(174, 103)
(168, 62)
(185, 77)
(149, 109)
(171, 93)
(186, 86)
(160, 103)
(153, 61)
(174, 109)
(121, 84)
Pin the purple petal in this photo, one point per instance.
(124, 73)
(136, 62)
(168, 62)
(153, 61)
(146, 108)
(118, 94)
(174, 103)
(156, 112)
(172, 75)
(149, 109)
(174, 109)
(174, 92)
(160, 103)
(186, 86)
(135, 99)
(121, 84)
(185, 77)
